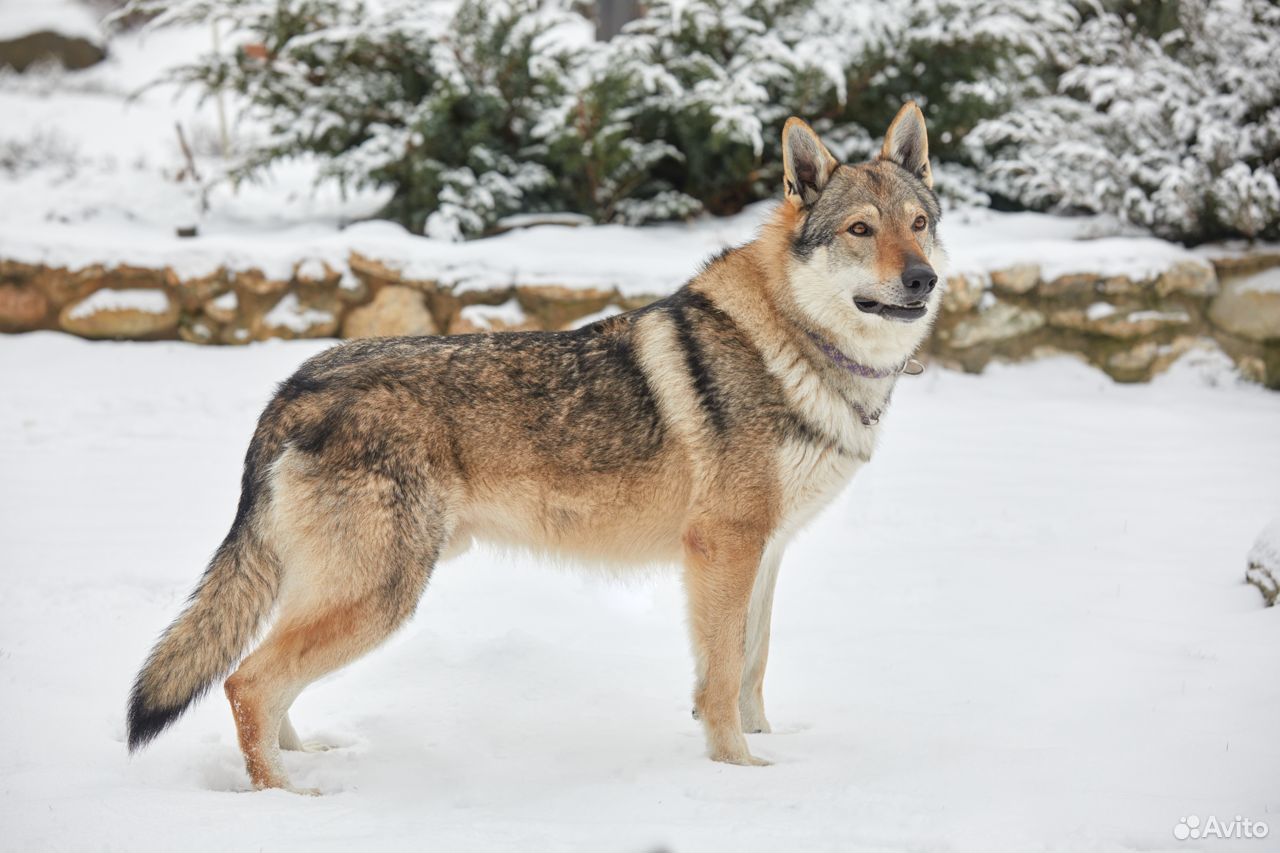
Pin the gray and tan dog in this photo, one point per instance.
(705, 428)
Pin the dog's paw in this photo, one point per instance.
(732, 748)
(308, 746)
(741, 759)
(281, 783)
(317, 746)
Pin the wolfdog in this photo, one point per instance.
(703, 429)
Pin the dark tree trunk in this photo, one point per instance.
(612, 14)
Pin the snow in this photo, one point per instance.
(595, 317)
(1160, 316)
(20, 18)
(147, 301)
(981, 240)
(312, 269)
(1022, 627)
(1264, 563)
(1267, 281)
(349, 282)
(1162, 131)
(1266, 549)
(525, 220)
(509, 313)
(1099, 310)
(290, 314)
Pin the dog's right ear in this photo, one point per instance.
(907, 143)
(806, 163)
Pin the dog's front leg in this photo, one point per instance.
(759, 616)
(721, 562)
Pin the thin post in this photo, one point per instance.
(611, 15)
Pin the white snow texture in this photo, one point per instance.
(1023, 627)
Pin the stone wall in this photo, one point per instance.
(1129, 328)
(71, 52)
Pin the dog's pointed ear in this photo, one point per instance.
(907, 143)
(806, 163)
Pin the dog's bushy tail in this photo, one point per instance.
(221, 618)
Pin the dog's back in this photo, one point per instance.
(562, 441)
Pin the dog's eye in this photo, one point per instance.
(860, 229)
(920, 223)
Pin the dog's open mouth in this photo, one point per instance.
(906, 313)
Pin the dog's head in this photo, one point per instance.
(864, 252)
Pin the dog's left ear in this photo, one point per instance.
(907, 143)
(806, 163)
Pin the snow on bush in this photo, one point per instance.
(474, 110)
(1178, 132)
(1264, 563)
(433, 100)
(678, 112)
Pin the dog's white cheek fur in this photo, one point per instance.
(826, 297)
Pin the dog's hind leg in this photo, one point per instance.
(721, 562)
(357, 559)
(290, 741)
(759, 616)
(302, 648)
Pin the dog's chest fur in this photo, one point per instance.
(810, 474)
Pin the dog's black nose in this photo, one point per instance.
(919, 281)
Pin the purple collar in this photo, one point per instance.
(910, 367)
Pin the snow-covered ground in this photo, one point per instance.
(1024, 626)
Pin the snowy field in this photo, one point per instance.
(1023, 627)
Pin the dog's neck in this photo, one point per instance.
(909, 366)
(753, 285)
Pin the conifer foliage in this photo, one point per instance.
(1170, 121)
(470, 110)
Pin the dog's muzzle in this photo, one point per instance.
(918, 281)
(904, 313)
